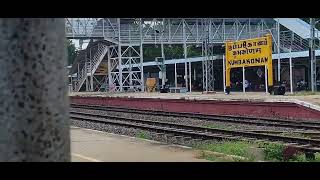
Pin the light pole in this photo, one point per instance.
(312, 55)
(315, 57)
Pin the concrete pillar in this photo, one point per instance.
(34, 105)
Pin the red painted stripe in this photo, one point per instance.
(210, 107)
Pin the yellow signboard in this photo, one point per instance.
(248, 53)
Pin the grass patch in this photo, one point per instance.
(272, 151)
(292, 134)
(208, 156)
(216, 158)
(250, 151)
(302, 158)
(275, 152)
(142, 135)
(218, 126)
(237, 148)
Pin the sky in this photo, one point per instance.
(76, 43)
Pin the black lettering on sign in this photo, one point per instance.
(234, 46)
(234, 53)
(244, 44)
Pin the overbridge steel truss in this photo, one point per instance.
(128, 35)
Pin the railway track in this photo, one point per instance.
(310, 125)
(197, 132)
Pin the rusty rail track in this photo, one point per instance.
(295, 124)
(197, 132)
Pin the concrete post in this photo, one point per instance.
(34, 114)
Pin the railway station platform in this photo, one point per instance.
(96, 146)
(309, 100)
(254, 104)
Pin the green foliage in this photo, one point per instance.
(150, 52)
(307, 20)
(273, 151)
(174, 51)
(213, 157)
(208, 156)
(218, 126)
(294, 134)
(142, 135)
(238, 148)
(194, 51)
(72, 52)
(302, 158)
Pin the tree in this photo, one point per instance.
(307, 20)
(72, 52)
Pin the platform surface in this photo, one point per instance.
(96, 146)
(312, 101)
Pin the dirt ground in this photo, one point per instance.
(96, 146)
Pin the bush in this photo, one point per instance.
(273, 151)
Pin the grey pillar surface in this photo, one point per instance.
(34, 105)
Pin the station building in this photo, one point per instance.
(123, 53)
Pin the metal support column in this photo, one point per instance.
(185, 53)
(87, 80)
(290, 65)
(175, 75)
(207, 63)
(266, 78)
(71, 82)
(278, 51)
(110, 83)
(224, 72)
(312, 55)
(163, 67)
(103, 28)
(78, 73)
(120, 57)
(91, 74)
(34, 108)
(290, 69)
(243, 80)
(141, 56)
(203, 66)
(130, 68)
(190, 77)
